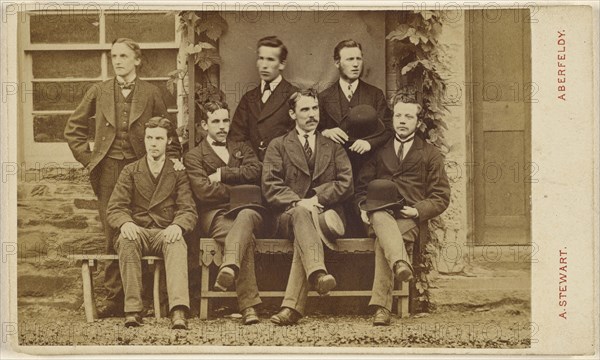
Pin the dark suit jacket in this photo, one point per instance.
(253, 125)
(202, 161)
(99, 102)
(421, 177)
(331, 110)
(286, 177)
(136, 198)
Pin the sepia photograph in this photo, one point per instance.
(291, 177)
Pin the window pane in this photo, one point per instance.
(50, 128)
(155, 63)
(59, 95)
(170, 100)
(140, 27)
(65, 28)
(66, 64)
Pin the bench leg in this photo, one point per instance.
(203, 291)
(88, 292)
(403, 302)
(156, 290)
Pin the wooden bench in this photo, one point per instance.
(212, 252)
(88, 265)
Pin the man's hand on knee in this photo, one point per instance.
(130, 231)
(310, 203)
(172, 233)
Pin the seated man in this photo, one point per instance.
(302, 172)
(218, 171)
(152, 205)
(416, 168)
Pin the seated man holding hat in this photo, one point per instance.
(401, 187)
(305, 173)
(224, 176)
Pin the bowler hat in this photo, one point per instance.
(362, 122)
(329, 226)
(244, 197)
(382, 194)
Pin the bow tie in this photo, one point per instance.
(218, 143)
(404, 141)
(126, 85)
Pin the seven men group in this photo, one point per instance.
(320, 162)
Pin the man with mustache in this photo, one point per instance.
(214, 168)
(304, 171)
(120, 108)
(337, 101)
(262, 113)
(417, 169)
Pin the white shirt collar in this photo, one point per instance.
(153, 164)
(274, 83)
(302, 132)
(344, 85)
(221, 151)
(122, 80)
(407, 145)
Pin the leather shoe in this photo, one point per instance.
(249, 316)
(382, 317)
(403, 271)
(225, 278)
(324, 283)
(110, 308)
(133, 319)
(285, 317)
(178, 319)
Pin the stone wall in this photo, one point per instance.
(55, 218)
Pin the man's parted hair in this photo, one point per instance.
(349, 43)
(296, 96)
(161, 122)
(210, 107)
(412, 98)
(130, 44)
(274, 42)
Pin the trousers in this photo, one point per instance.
(130, 263)
(308, 257)
(391, 245)
(237, 236)
(109, 170)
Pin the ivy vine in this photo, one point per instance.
(418, 58)
(208, 28)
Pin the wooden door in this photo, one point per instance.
(501, 88)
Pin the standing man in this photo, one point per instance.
(153, 208)
(262, 114)
(339, 99)
(216, 169)
(303, 172)
(121, 107)
(416, 168)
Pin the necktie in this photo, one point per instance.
(401, 147)
(307, 149)
(126, 85)
(350, 94)
(218, 143)
(266, 92)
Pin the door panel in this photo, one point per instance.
(500, 51)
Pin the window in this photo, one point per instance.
(66, 53)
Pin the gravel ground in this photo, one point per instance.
(503, 326)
